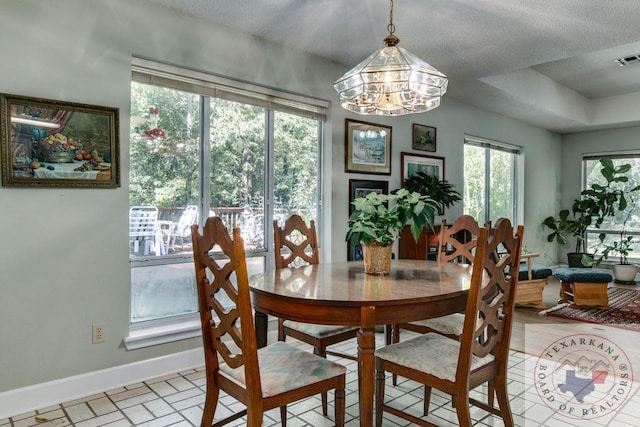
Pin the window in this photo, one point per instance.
(201, 145)
(490, 180)
(612, 226)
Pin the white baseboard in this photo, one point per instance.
(38, 396)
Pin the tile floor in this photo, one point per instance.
(177, 400)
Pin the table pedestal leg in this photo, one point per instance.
(366, 364)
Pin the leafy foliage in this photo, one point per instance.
(441, 192)
(165, 172)
(597, 203)
(372, 219)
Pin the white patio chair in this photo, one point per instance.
(142, 227)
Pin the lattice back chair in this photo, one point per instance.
(481, 355)
(260, 379)
(296, 245)
(142, 227)
(458, 241)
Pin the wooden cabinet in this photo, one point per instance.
(426, 248)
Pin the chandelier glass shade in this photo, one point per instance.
(391, 82)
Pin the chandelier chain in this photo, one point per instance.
(391, 28)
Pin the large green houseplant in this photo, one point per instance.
(378, 219)
(441, 192)
(596, 204)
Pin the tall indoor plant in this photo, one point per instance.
(378, 220)
(596, 204)
(623, 271)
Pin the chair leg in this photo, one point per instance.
(321, 350)
(491, 393)
(379, 392)
(427, 400)
(254, 417)
(462, 408)
(339, 405)
(283, 416)
(395, 338)
(210, 404)
(503, 401)
(281, 335)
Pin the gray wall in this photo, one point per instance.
(64, 257)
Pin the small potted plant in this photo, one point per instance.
(378, 220)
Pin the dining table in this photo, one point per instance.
(343, 294)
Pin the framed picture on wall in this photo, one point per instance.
(47, 143)
(360, 188)
(424, 138)
(367, 148)
(411, 163)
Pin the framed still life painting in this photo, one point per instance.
(47, 143)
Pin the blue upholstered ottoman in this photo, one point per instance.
(532, 278)
(584, 287)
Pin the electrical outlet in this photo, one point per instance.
(98, 333)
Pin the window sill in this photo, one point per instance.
(156, 334)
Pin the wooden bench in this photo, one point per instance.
(532, 278)
(584, 287)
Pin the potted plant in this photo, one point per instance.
(441, 192)
(623, 272)
(596, 204)
(378, 220)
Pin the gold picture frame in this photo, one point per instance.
(48, 143)
(367, 148)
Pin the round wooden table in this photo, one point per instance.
(342, 294)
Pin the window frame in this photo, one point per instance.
(208, 87)
(517, 174)
(592, 233)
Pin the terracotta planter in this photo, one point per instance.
(624, 273)
(377, 258)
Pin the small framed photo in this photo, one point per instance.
(360, 188)
(424, 138)
(412, 163)
(47, 143)
(367, 148)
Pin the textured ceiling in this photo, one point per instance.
(546, 62)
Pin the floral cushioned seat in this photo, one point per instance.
(317, 331)
(432, 352)
(284, 368)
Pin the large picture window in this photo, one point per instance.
(629, 218)
(490, 180)
(200, 147)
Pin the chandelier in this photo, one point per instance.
(391, 82)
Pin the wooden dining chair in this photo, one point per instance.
(296, 245)
(261, 379)
(457, 243)
(481, 355)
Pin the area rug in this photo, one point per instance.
(624, 310)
